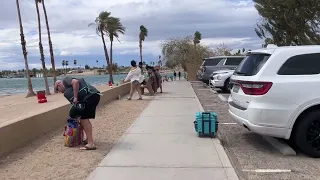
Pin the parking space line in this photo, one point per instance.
(222, 98)
(215, 92)
(228, 123)
(268, 170)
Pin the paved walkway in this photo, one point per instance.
(162, 144)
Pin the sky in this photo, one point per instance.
(220, 21)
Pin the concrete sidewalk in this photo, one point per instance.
(162, 144)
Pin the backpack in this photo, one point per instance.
(73, 133)
(86, 90)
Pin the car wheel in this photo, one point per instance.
(307, 134)
(226, 87)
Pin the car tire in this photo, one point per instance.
(226, 87)
(307, 134)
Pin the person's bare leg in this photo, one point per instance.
(139, 91)
(142, 89)
(87, 126)
(149, 87)
(131, 91)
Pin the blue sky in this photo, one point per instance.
(220, 21)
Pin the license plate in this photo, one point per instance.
(236, 88)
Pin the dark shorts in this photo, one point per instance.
(135, 82)
(144, 82)
(89, 112)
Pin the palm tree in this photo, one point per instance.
(67, 64)
(75, 64)
(63, 64)
(25, 54)
(41, 50)
(101, 24)
(197, 38)
(54, 73)
(160, 62)
(142, 36)
(113, 29)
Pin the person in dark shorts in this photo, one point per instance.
(179, 75)
(136, 78)
(174, 75)
(84, 99)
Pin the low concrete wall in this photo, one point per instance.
(18, 133)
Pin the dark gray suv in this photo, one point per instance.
(212, 64)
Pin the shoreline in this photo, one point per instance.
(51, 88)
(85, 74)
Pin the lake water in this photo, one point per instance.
(20, 85)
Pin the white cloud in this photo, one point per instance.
(65, 53)
(220, 21)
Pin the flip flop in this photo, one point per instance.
(88, 148)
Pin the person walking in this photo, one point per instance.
(179, 75)
(136, 79)
(84, 99)
(174, 75)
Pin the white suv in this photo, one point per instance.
(276, 92)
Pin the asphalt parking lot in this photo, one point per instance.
(252, 156)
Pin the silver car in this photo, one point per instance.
(212, 64)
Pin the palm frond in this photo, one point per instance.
(114, 27)
(143, 33)
(92, 24)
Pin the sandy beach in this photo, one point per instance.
(16, 107)
(47, 158)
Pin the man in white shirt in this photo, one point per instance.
(136, 79)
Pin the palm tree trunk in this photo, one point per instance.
(111, 63)
(50, 44)
(24, 51)
(44, 70)
(140, 47)
(106, 55)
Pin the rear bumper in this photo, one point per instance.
(243, 118)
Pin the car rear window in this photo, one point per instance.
(211, 62)
(251, 64)
(233, 61)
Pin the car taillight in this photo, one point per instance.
(254, 88)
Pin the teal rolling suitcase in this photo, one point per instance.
(206, 124)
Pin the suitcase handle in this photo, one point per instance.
(209, 121)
